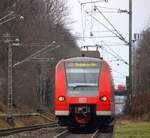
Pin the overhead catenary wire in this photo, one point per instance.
(13, 14)
(101, 31)
(112, 43)
(119, 72)
(83, 26)
(94, 2)
(109, 52)
(92, 23)
(81, 7)
(120, 36)
(115, 45)
(113, 9)
(109, 11)
(89, 37)
(116, 54)
(9, 14)
(38, 44)
(8, 20)
(115, 60)
(108, 8)
(37, 53)
(102, 24)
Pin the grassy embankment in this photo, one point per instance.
(20, 122)
(132, 129)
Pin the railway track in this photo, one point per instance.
(96, 134)
(10, 131)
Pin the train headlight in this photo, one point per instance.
(103, 98)
(61, 98)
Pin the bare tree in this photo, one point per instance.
(56, 10)
(44, 22)
(143, 53)
(141, 102)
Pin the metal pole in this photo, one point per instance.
(10, 89)
(130, 51)
(10, 93)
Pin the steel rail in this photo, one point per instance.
(62, 134)
(10, 131)
(95, 134)
(98, 133)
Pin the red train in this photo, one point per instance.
(83, 92)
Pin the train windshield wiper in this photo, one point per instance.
(83, 85)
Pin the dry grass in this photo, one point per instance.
(132, 129)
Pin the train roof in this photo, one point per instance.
(80, 59)
(94, 54)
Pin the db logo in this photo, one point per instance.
(82, 100)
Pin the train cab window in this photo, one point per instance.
(83, 79)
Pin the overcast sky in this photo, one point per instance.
(84, 24)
